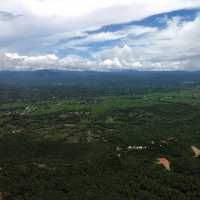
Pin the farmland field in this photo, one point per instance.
(102, 146)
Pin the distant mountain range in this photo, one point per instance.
(93, 79)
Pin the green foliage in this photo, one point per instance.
(66, 148)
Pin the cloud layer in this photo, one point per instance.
(83, 35)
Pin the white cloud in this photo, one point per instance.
(174, 48)
(46, 18)
(33, 27)
(77, 8)
(13, 61)
(106, 36)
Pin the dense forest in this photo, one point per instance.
(97, 135)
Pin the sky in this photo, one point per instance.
(156, 35)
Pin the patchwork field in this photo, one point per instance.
(106, 147)
(99, 100)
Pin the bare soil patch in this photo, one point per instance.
(165, 163)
